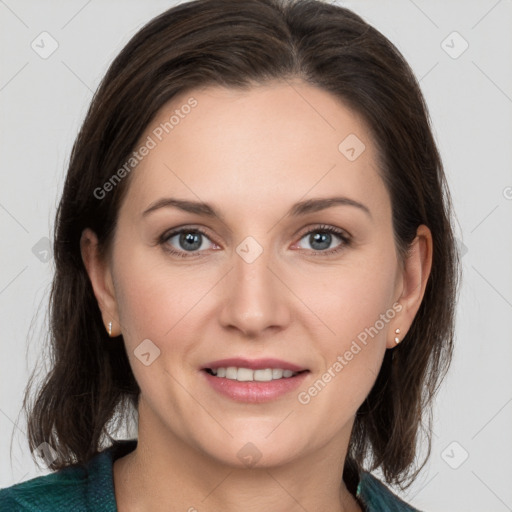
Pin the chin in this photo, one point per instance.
(258, 452)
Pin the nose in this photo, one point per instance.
(255, 298)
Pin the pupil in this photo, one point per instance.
(193, 240)
(190, 238)
(324, 239)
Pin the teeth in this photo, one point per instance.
(247, 375)
(244, 374)
(277, 373)
(263, 375)
(231, 373)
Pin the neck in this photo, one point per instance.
(166, 473)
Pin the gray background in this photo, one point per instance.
(43, 101)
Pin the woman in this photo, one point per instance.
(254, 253)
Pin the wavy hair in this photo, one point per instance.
(90, 388)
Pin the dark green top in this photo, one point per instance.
(91, 488)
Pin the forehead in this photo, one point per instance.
(239, 147)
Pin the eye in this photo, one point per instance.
(185, 242)
(189, 242)
(321, 237)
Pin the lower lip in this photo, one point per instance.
(254, 391)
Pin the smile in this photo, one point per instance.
(254, 380)
(248, 375)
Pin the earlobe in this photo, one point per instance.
(100, 276)
(415, 275)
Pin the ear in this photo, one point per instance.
(415, 274)
(101, 279)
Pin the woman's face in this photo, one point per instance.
(266, 285)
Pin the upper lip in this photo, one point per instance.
(253, 364)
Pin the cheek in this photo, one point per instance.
(158, 299)
(358, 314)
(155, 302)
(351, 297)
(355, 306)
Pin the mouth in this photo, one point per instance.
(242, 374)
(253, 381)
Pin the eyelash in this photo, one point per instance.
(346, 240)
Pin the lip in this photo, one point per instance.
(255, 391)
(253, 364)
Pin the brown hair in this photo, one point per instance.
(238, 44)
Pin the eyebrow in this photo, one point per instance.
(300, 208)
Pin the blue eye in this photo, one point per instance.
(321, 237)
(192, 241)
(189, 240)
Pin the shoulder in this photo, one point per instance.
(56, 491)
(376, 496)
(79, 488)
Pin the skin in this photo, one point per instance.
(252, 154)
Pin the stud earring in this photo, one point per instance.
(397, 341)
(110, 328)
